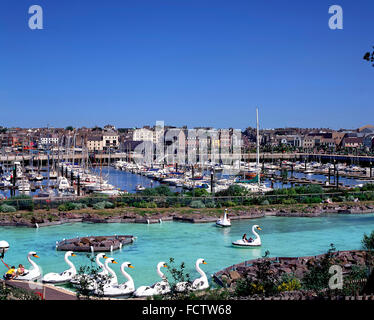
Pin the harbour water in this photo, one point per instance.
(281, 236)
(127, 181)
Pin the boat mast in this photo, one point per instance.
(258, 150)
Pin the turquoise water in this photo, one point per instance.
(282, 236)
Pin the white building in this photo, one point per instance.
(49, 139)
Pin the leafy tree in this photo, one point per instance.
(90, 278)
(233, 191)
(368, 244)
(317, 277)
(158, 191)
(263, 282)
(9, 293)
(198, 192)
(177, 275)
(368, 241)
(352, 285)
(369, 56)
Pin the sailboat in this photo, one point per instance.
(103, 187)
(254, 183)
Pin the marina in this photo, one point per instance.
(123, 177)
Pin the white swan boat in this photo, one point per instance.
(65, 276)
(79, 278)
(224, 221)
(198, 284)
(139, 188)
(255, 243)
(158, 288)
(97, 284)
(115, 289)
(34, 272)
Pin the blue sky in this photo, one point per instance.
(187, 62)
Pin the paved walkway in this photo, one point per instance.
(49, 292)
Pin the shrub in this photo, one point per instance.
(289, 282)
(265, 203)
(210, 204)
(197, 204)
(151, 205)
(229, 203)
(290, 285)
(7, 208)
(233, 190)
(350, 198)
(317, 277)
(68, 206)
(99, 205)
(22, 202)
(263, 281)
(198, 192)
(289, 201)
(315, 200)
(368, 241)
(158, 191)
(140, 204)
(79, 206)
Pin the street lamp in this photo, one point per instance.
(4, 246)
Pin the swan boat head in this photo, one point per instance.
(32, 254)
(101, 256)
(200, 261)
(70, 254)
(160, 265)
(110, 260)
(127, 265)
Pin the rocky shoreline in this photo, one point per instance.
(297, 266)
(50, 218)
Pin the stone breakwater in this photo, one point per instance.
(48, 218)
(58, 218)
(318, 210)
(298, 266)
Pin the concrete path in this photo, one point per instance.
(48, 291)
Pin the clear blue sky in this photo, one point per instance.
(194, 62)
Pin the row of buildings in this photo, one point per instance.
(314, 139)
(109, 138)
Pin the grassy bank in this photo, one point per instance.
(43, 215)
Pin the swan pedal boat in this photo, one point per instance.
(114, 289)
(78, 278)
(255, 243)
(32, 274)
(158, 288)
(65, 276)
(201, 283)
(224, 222)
